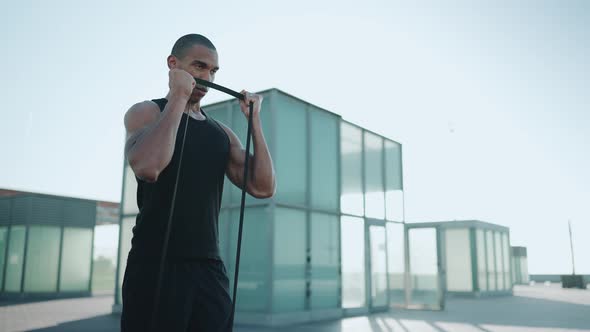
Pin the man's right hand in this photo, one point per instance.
(181, 83)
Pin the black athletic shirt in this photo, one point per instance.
(194, 233)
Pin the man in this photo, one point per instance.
(195, 289)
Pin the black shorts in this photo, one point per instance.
(194, 297)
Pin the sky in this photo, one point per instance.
(489, 98)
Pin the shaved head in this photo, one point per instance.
(184, 43)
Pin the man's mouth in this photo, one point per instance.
(201, 88)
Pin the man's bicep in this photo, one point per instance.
(137, 120)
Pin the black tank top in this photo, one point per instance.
(194, 232)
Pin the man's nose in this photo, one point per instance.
(206, 76)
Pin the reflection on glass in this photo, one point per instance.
(324, 160)
(499, 267)
(15, 259)
(423, 266)
(506, 258)
(353, 262)
(130, 192)
(395, 261)
(394, 205)
(254, 285)
(289, 260)
(481, 260)
(378, 266)
(3, 238)
(374, 191)
(351, 199)
(42, 259)
(325, 261)
(458, 260)
(124, 247)
(492, 285)
(290, 154)
(76, 258)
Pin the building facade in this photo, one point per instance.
(330, 242)
(46, 244)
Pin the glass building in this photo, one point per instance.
(458, 258)
(330, 243)
(520, 271)
(46, 245)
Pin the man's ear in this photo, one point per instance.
(172, 62)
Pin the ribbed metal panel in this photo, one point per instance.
(21, 209)
(5, 204)
(46, 211)
(79, 213)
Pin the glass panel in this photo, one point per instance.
(481, 260)
(395, 261)
(130, 192)
(393, 166)
(378, 266)
(351, 199)
(325, 261)
(42, 259)
(3, 238)
(239, 125)
(491, 261)
(14, 264)
(76, 259)
(524, 270)
(458, 260)
(290, 154)
(106, 246)
(394, 205)
(374, 193)
(506, 256)
(254, 284)
(424, 276)
(499, 267)
(124, 247)
(289, 260)
(353, 262)
(324, 160)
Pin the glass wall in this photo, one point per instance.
(124, 247)
(42, 259)
(324, 160)
(14, 263)
(289, 260)
(499, 262)
(353, 262)
(129, 204)
(506, 258)
(481, 260)
(290, 154)
(396, 262)
(3, 239)
(76, 259)
(491, 262)
(393, 181)
(379, 289)
(423, 266)
(325, 261)
(374, 192)
(458, 260)
(254, 284)
(351, 148)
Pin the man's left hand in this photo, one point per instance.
(250, 97)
